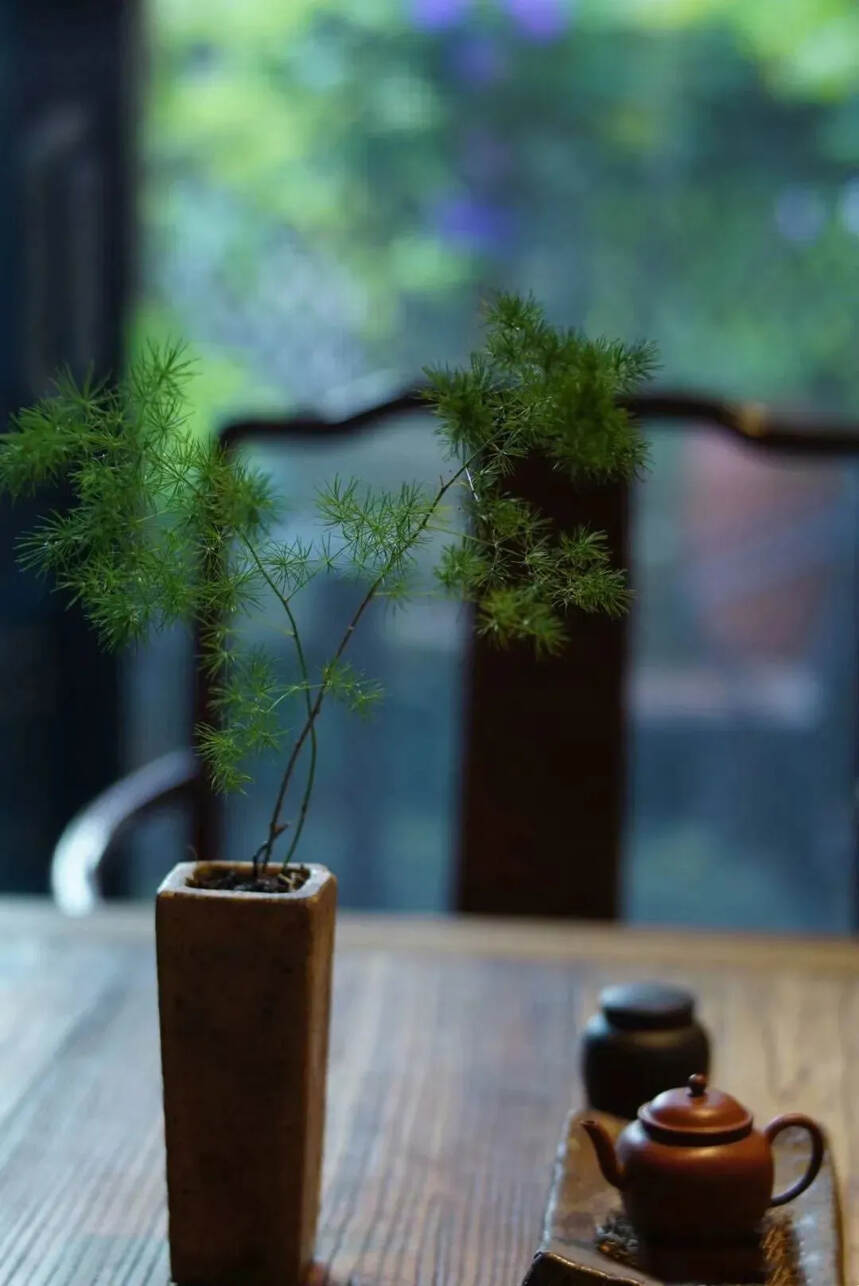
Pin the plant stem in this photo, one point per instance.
(262, 856)
(309, 727)
(273, 830)
(305, 799)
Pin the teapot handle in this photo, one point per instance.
(815, 1160)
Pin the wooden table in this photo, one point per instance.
(453, 1063)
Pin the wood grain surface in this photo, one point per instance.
(454, 1061)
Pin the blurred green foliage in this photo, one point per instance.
(333, 183)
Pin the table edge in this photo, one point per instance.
(517, 939)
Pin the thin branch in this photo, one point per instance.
(309, 726)
(262, 856)
(273, 830)
(305, 799)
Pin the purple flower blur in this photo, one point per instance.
(485, 157)
(477, 60)
(474, 224)
(538, 19)
(435, 15)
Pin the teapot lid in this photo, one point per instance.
(695, 1114)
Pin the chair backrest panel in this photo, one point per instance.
(544, 779)
(544, 754)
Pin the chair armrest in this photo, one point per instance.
(88, 837)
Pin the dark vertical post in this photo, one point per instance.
(544, 758)
(66, 80)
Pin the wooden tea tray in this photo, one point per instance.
(580, 1202)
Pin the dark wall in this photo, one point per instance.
(66, 116)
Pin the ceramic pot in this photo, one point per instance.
(644, 1039)
(244, 984)
(692, 1167)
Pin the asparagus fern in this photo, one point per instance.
(165, 527)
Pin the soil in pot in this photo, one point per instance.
(238, 881)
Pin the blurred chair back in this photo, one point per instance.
(543, 783)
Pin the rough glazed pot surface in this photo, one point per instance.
(244, 999)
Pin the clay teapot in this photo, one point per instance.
(691, 1167)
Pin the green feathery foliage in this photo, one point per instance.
(163, 527)
(536, 390)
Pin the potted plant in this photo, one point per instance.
(165, 527)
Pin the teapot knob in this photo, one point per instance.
(697, 1085)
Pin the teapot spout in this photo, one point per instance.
(606, 1155)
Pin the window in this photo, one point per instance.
(331, 187)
